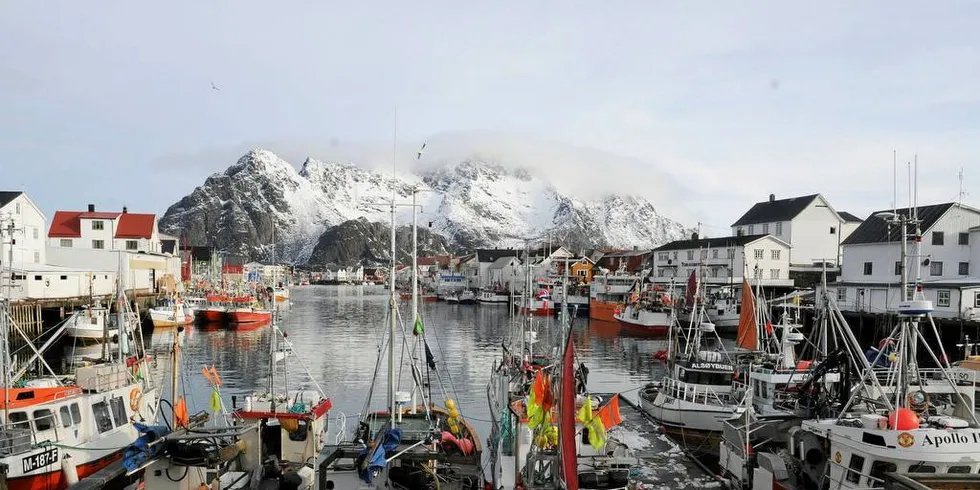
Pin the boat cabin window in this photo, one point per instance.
(102, 420)
(706, 377)
(958, 469)
(118, 410)
(19, 420)
(878, 470)
(76, 414)
(922, 468)
(43, 419)
(65, 416)
(855, 467)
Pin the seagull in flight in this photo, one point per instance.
(420, 152)
(215, 87)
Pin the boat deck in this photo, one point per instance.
(663, 461)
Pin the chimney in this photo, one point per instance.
(634, 248)
(772, 197)
(125, 210)
(694, 236)
(91, 208)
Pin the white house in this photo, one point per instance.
(110, 240)
(808, 224)
(17, 211)
(133, 232)
(41, 281)
(505, 273)
(947, 262)
(478, 271)
(765, 258)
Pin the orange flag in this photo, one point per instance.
(542, 391)
(609, 414)
(180, 413)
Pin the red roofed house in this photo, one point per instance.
(133, 232)
(97, 238)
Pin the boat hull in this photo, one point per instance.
(543, 311)
(242, 317)
(56, 479)
(211, 315)
(652, 322)
(167, 318)
(696, 425)
(603, 310)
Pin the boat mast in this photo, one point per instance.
(392, 307)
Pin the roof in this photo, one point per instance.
(627, 253)
(67, 224)
(775, 210)
(426, 261)
(502, 262)
(876, 230)
(848, 217)
(721, 242)
(491, 255)
(7, 196)
(135, 225)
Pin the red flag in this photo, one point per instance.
(769, 328)
(692, 284)
(609, 414)
(566, 424)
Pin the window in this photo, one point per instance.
(675, 255)
(942, 298)
(922, 468)
(936, 268)
(731, 253)
(751, 229)
(35, 233)
(841, 294)
(878, 470)
(118, 410)
(759, 253)
(855, 467)
(19, 420)
(976, 301)
(964, 269)
(938, 238)
(765, 229)
(898, 267)
(65, 243)
(102, 420)
(98, 244)
(958, 469)
(714, 253)
(779, 229)
(38, 278)
(757, 273)
(660, 273)
(775, 254)
(833, 230)
(17, 208)
(740, 231)
(132, 244)
(867, 268)
(76, 414)
(65, 417)
(690, 255)
(773, 273)
(44, 419)
(98, 225)
(729, 272)
(18, 277)
(37, 257)
(64, 278)
(663, 256)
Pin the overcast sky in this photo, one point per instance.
(112, 102)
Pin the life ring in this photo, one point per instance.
(607, 288)
(135, 399)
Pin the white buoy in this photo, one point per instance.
(69, 470)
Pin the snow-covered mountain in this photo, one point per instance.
(473, 202)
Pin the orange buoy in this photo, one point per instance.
(903, 419)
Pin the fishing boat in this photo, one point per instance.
(649, 310)
(900, 417)
(243, 315)
(466, 297)
(538, 304)
(60, 428)
(408, 444)
(609, 292)
(534, 443)
(91, 324)
(170, 313)
(281, 294)
(695, 398)
(216, 310)
(493, 296)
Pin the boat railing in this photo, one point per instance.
(960, 376)
(695, 393)
(16, 438)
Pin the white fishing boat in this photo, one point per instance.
(493, 297)
(170, 313)
(900, 417)
(649, 311)
(60, 428)
(91, 324)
